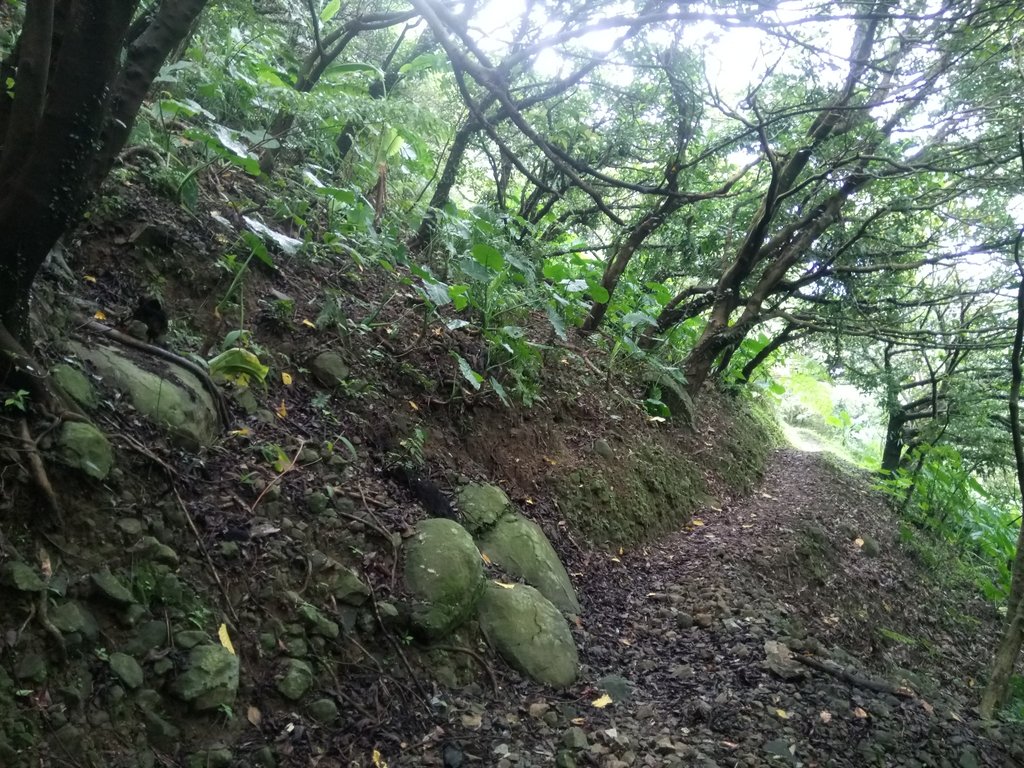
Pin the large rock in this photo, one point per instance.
(171, 397)
(516, 545)
(528, 632)
(84, 447)
(444, 576)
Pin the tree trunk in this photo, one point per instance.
(443, 190)
(44, 195)
(893, 451)
(998, 687)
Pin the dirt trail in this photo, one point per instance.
(811, 561)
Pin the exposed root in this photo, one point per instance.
(38, 471)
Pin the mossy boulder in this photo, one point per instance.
(516, 545)
(83, 447)
(165, 394)
(443, 575)
(529, 632)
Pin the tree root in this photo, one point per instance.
(178, 360)
(16, 363)
(861, 681)
(38, 471)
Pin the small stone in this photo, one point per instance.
(538, 709)
(23, 577)
(703, 620)
(84, 447)
(684, 621)
(295, 679)
(111, 588)
(318, 623)
(161, 734)
(150, 547)
(130, 526)
(575, 738)
(71, 617)
(870, 546)
(564, 759)
(218, 757)
(602, 449)
(317, 502)
(324, 710)
(264, 758)
(30, 666)
(329, 368)
(127, 669)
(188, 639)
(619, 688)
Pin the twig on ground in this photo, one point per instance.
(206, 554)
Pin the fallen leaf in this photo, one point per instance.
(602, 702)
(225, 638)
(696, 522)
(309, 323)
(378, 759)
(286, 378)
(578, 720)
(472, 721)
(243, 432)
(485, 558)
(860, 714)
(530, 501)
(503, 585)
(927, 707)
(413, 405)
(859, 542)
(99, 314)
(825, 716)
(282, 410)
(254, 716)
(614, 559)
(89, 279)
(782, 714)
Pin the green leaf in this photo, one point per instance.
(289, 245)
(459, 295)
(557, 323)
(474, 378)
(599, 294)
(634, 319)
(489, 256)
(500, 391)
(350, 67)
(237, 365)
(436, 292)
(330, 11)
(422, 63)
(556, 271)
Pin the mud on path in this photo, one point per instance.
(690, 636)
